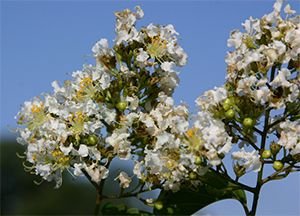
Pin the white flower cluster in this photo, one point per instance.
(118, 108)
(63, 129)
(211, 131)
(268, 43)
(290, 136)
(168, 161)
(123, 107)
(263, 74)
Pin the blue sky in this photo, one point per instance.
(42, 41)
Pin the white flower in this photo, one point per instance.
(66, 150)
(83, 150)
(94, 153)
(288, 9)
(77, 169)
(139, 12)
(133, 102)
(152, 30)
(213, 136)
(249, 160)
(279, 47)
(244, 85)
(168, 66)
(262, 95)
(235, 39)
(281, 79)
(211, 98)
(142, 56)
(124, 179)
(252, 56)
(293, 38)
(57, 88)
(289, 134)
(43, 170)
(277, 5)
(96, 172)
(118, 139)
(102, 48)
(163, 138)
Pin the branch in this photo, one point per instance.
(245, 137)
(277, 175)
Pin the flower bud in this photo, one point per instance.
(229, 114)
(198, 160)
(193, 175)
(92, 140)
(275, 148)
(277, 165)
(266, 154)
(121, 106)
(248, 122)
(158, 205)
(239, 170)
(228, 103)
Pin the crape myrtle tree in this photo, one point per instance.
(122, 108)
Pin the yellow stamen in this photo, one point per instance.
(157, 47)
(37, 109)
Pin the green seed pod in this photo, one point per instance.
(227, 104)
(193, 175)
(121, 106)
(198, 160)
(229, 114)
(92, 140)
(266, 154)
(248, 122)
(277, 165)
(158, 205)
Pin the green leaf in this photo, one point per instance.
(187, 201)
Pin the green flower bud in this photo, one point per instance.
(92, 140)
(158, 205)
(275, 148)
(248, 122)
(193, 175)
(266, 154)
(121, 106)
(198, 160)
(277, 165)
(229, 114)
(228, 102)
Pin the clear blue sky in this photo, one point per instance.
(42, 41)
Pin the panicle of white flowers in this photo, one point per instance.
(123, 107)
(263, 74)
(120, 107)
